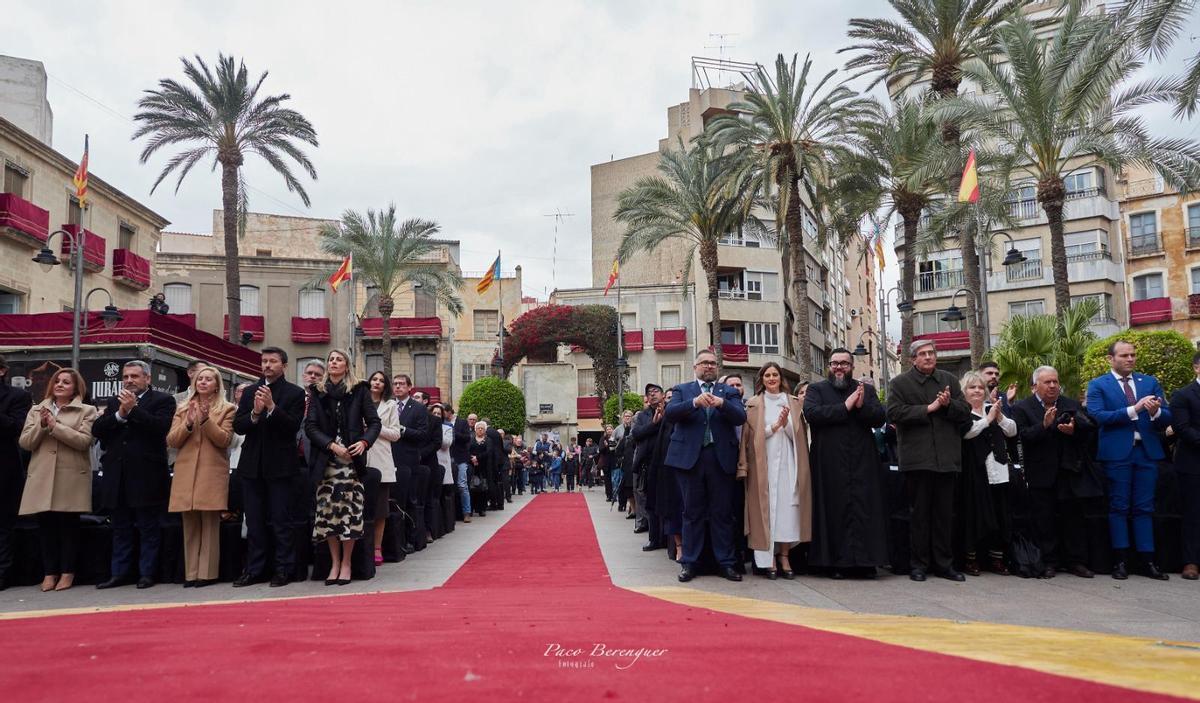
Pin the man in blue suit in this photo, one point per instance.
(704, 452)
(1130, 410)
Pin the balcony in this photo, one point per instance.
(1192, 238)
(187, 318)
(254, 324)
(633, 341)
(670, 338)
(1028, 270)
(1093, 266)
(933, 281)
(1149, 311)
(948, 341)
(1080, 204)
(1145, 245)
(310, 330)
(23, 222)
(735, 353)
(735, 294)
(1194, 305)
(588, 407)
(94, 248)
(403, 327)
(131, 270)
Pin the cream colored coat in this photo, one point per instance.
(201, 479)
(60, 471)
(752, 466)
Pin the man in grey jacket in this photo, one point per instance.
(926, 405)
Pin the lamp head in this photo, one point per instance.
(1014, 256)
(953, 314)
(860, 350)
(110, 316)
(905, 308)
(46, 259)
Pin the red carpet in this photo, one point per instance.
(484, 635)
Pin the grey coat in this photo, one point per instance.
(927, 441)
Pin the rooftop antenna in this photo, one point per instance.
(721, 44)
(558, 216)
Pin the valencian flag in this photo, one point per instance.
(342, 274)
(612, 276)
(492, 274)
(81, 176)
(968, 191)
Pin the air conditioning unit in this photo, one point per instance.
(853, 312)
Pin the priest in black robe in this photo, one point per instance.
(849, 530)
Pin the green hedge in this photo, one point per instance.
(1164, 354)
(498, 400)
(633, 402)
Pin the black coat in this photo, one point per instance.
(1049, 453)
(484, 465)
(459, 450)
(14, 406)
(414, 421)
(270, 448)
(1185, 419)
(135, 452)
(433, 440)
(927, 441)
(359, 422)
(644, 431)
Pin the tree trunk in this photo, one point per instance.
(971, 276)
(233, 274)
(798, 263)
(386, 306)
(908, 277)
(1052, 195)
(708, 261)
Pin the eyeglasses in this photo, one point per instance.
(706, 363)
(840, 363)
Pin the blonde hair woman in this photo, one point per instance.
(58, 433)
(201, 430)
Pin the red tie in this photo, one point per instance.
(1129, 397)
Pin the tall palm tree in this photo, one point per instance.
(930, 44)
(693, 200)
(390, 255)
(221, 115)
(1030, 341)
(785, 132)
(1153, 26)
(1062, 104)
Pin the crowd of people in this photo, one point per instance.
(341, 457)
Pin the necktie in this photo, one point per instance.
(708, 438)
(1129, 397)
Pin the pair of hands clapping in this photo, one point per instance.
(708, 400)
(941, 401)
(855, 399)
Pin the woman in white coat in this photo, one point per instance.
(379, 456)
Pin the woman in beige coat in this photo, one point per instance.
(201, 430)
(58, 432)
(774, 463)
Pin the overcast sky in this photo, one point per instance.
(483, 116)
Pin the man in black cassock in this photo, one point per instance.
(849, 532)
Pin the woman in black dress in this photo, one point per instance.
(984, 475)
(342, 424)
(482, 466)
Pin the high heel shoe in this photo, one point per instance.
(786, 573)
(65, 582)
(49, 583)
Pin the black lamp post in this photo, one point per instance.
(47, 260)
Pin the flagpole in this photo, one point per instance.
(500, 307)
(353, 318)
(77, 255)
(621, 364)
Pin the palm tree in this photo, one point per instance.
(389, 256)
(931, 43)
(1027, 342)
(693, 200)
(221, 115)
(1153, 26)
(1054, 104)
(785, 132)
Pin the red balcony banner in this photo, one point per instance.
(588, 407)
(1194, 305)
(187, 318)
(403, 327)
(250, 323)
(434, 393)
(310, 330)
(670, 339)
(23, 220)
(947, 341)
(736, 352)
(131, 269)
(1144, 312)
(95, 249)
(633, 340)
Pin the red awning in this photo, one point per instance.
(633, 340)
(24, 221)
(53, 329)
(94, 248)
(670, 339)
(310, 330)
(131, 269)
(588, 406)
(434, 393)
(250, 323)
(735, 352)
(1144, 312)
(403, 327)
(948, 341)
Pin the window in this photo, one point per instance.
(1026, 308)
(586, 382)
(818, 359)
(762, 337)
(816, 319)
(729, 334)
(372, 306)
(670, 375)
(424, 301)
(262, 252)
(425, 370)
(15, 179)
(1193, 213)
(249, 296)
(930, 323)
(668, 318)
(374, 363)
(631, 380)
(10, 303)
(312, 303)
(1148, 286)
(125, 237)
(1080, 183)
(178, 297)
(487, 323)
(1106, 306)
(1084, 246)
(941, 270)
(810, 224)
(629, 321)
(474, 372)
(1196, 280)
(301, 363)
(762, 285)
(1143, 232)
(74, 212)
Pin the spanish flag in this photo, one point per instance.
(879, 252)
(492, 274)
(612, 276)
(968, 191)
(81, 176)
(341, 275)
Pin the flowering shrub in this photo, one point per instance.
(537, 334)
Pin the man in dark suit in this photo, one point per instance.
(1185, 419)
(14, 406)
(1130, 411)
(495, 481)
(645, 428)
(133, 431)
(1057, 436)
(406, 451)
(704, 453)
(269, 416)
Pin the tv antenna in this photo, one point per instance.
(722, 44)
(558, 216)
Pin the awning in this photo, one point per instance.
(589, 425)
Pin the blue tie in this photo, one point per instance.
(708, 438)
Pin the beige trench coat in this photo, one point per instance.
(201, 479)
(752, 466)
(60, 470)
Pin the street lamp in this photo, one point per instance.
(861, 350)
(110, 316)
(47, 260)
(953, 314)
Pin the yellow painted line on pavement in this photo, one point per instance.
(1140, 663)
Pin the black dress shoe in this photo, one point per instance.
(640, 530)
(203, 582)
(280, 579)
(917, 574)
(837, 575)
(408, 548)
(343, 582)
(1119, 572)
(247, 580)
(952, 575)
(686, 574)
(145, 582)
(1048, 573)
(330, 582)
(730, 574)
(189, 584)
(1155, 573)
(114, 582)
(1081, 571)
(650, 547)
